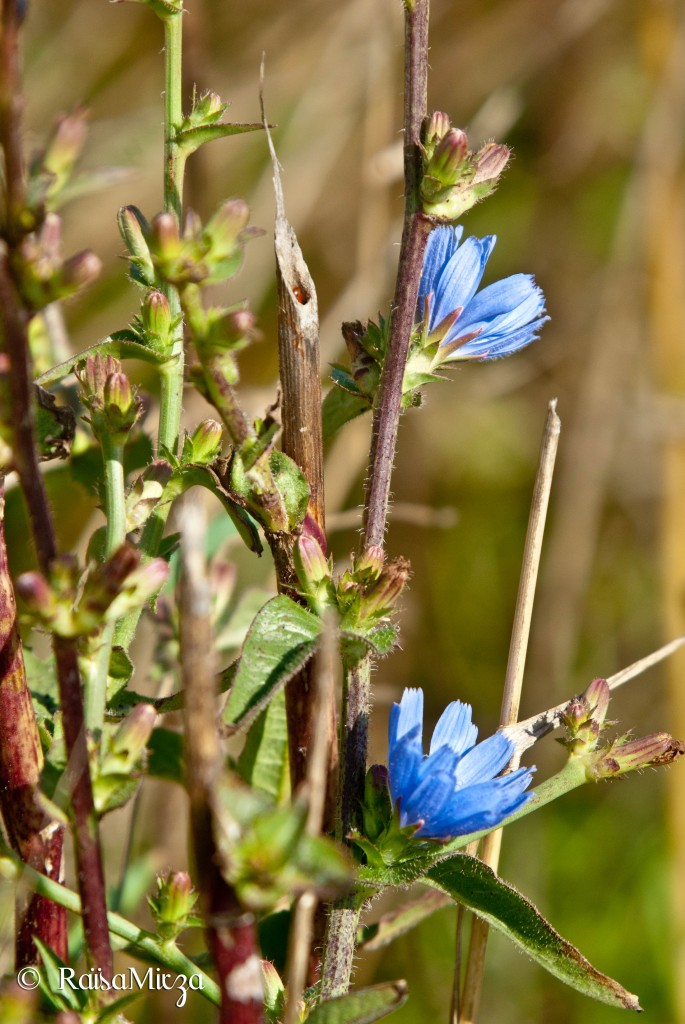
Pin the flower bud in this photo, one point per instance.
(129, 741)
(64, 148)
(36, 593)
(368, 566)
(206, 442)
(381, 599)
(630, 755)
(435, 129)
(491, 160)
(207, 109)
(121, 406)
(164, 234)
(449, 163)
(173, 903)
(225, 226)
(157, 322)
(314, 573)
(79, 271)
(135, 231)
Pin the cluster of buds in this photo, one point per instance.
(366, 346)
(173, 904)
(205, 254)
(585, 719)
(121, 759)
(113, 404)
(363, 595)
(455, 178)
(44, 275)
(72, 603)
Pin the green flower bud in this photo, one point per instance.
(435, 128)
(78, 272)
(206, 442)
(135, 231)
(173, 903)
(128, 743)
(121, 407)
(381, 599)
(207, 109)
(314, 573)
(454, 178)
(157, 321)
(225, 227)
(368, 565)
(64, 149)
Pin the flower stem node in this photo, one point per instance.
(455, 178)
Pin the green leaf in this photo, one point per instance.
(379, 640)
(338, 408)
(292, 486)
(63, 997)
(204, 476)
(470, 882)
(121, 344)
(55, 426)
(191, 139)
(363, 1007)
(280, 642)
(165, 755)
(264, 760)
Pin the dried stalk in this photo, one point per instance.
(513, 684)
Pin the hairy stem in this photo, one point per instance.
(14, 319)
(171, 395)
(344, 917)
(95, 685)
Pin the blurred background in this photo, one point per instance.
(591, 96)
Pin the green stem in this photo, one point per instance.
(174, 169)
(166, 953)
(95, 683)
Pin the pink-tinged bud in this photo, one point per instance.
(66, 144)
(368, 566)
(311, 528)
(50, 239)
(92, 374)
(225, 227)
(35, 592)
(164, 232)
(314, 573)
(597, 696)
(79, 271)
(491, 159)
(435, 129)
(121, 406)
(207, 109)
(129, 741)
(631, 755)
(173, 903)
(450, 164)
(381, 599)
(158, 322)
(206, 442)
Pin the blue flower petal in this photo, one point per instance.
(405, 716)
(485, 760)
(460, 277)
(454, 729)
(428, 801)
(494, 322)
(441, 246)
(405, 758)
(478, 807)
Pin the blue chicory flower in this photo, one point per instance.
(453, 791)
(469, 324)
